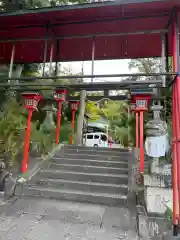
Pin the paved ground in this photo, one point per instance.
(39, 219)
(115, 145)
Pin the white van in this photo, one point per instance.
(97, 139)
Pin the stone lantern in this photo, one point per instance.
(49, 125)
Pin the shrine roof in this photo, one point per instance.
(117, 26)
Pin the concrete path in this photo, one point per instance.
(42, 219)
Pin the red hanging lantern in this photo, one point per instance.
(60, 97)
(74, 105)
(141, 105)
(31, 101)
(142, 101)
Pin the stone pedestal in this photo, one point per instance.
(156, 199)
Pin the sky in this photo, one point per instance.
(100, 67)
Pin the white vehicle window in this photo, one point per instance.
(103, 138)
(96, 136)
(89, 136)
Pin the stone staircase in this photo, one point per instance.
(82, 174)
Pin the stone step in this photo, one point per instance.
(88, 169)
(81, 186)
(96, 149)
(100, 163)
(78, 196)
(92, 157)
(95, 152)
(82, 176)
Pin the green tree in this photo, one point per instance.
(14, 5)
(117, 114)
(92, 110)
(145, 65)
(151, 65)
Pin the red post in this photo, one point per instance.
(137, 130)
(58, 122)
(141, 107)
(27, 141)
(174, 167)
(176, 128)
(141, 139)
(59, 95)
(137, 146)
(31, 102)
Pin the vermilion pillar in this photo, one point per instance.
(176, 127)
(141, 107)
(137, 130)
(141, 142)
(31, 102)
(59, 95)
(174, 168)
(74, 107)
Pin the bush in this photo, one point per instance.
(13, 118)
(12, 125)
(66, 131)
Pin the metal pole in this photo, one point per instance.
(27, 141)
(93, 54)
(58, 122)
(134, 75)
(45, 56)
(12, 62)
(57, 54)
(51, 59)
(163, 60)
(99, 85)
(167, 54)
(56, 70)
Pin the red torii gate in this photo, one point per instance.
(108, 30)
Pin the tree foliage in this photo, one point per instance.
(14, 5)
(151, 65)
(12, 125)
(92, 110)
(115, 111)
(146, 65)
(117, 114)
